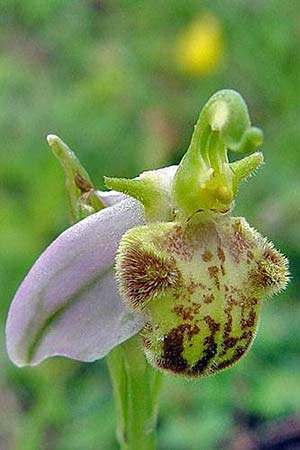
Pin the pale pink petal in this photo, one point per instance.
(68, 304)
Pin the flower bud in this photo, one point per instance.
(199, 285)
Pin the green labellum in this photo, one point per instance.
(199, 285)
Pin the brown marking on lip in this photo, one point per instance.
(196, 307)
(208, 298)
(200, 367)
(213, 273)
(248, 335)
(238, 353)
(192, 331)
(247, 305)
(228, 341)
(239, 242)
(187, 312)
(176, 242)
(178, 309)
(192, 286)
(223, 270)
(212, 324)
(177, 295)
(142, 275)
(207, 256)
(221, 255)
(171, 358)
(248, 322)
(253, 301)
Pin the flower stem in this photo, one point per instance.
(136, 386)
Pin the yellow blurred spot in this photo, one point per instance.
(200, 46)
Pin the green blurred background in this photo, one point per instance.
(122, 82)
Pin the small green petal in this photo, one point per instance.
(152, 188)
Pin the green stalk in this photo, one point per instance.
(136, 386)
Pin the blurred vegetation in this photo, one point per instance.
(122, 82)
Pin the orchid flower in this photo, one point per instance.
(159, 260)
(69, 304)
(162, 256)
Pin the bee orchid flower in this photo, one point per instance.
(69, 303)
(163, 257)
